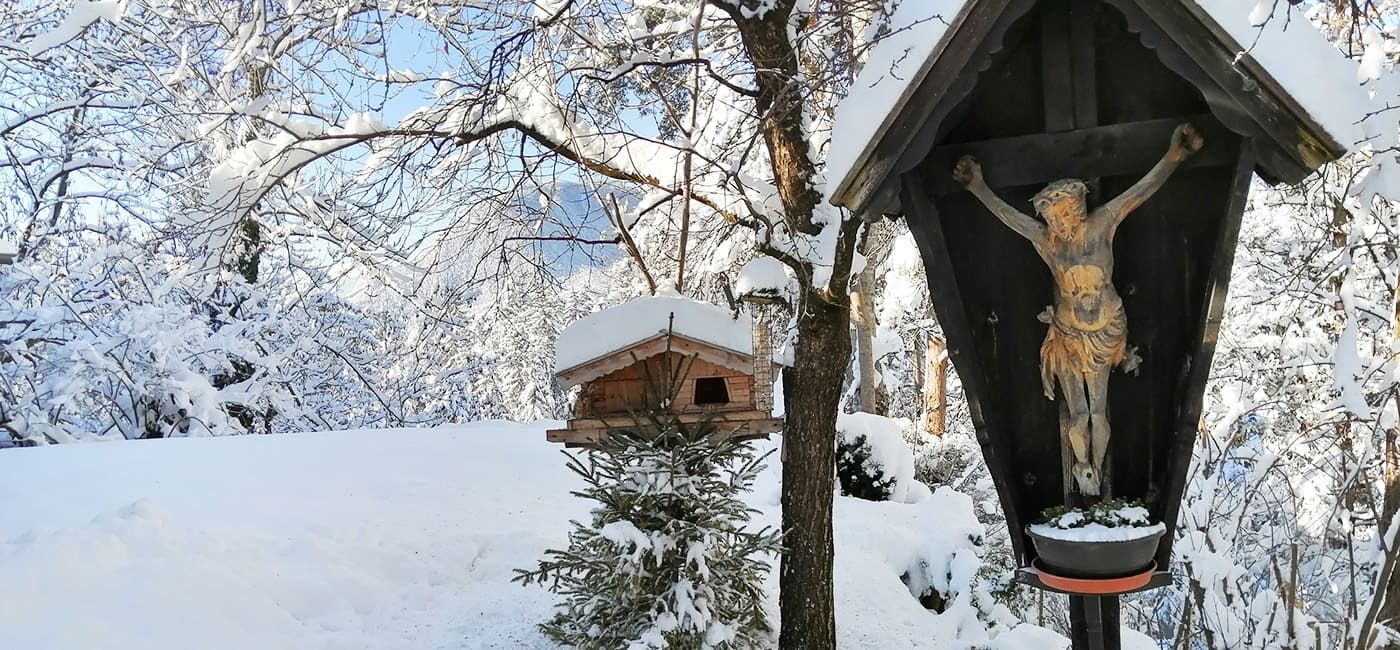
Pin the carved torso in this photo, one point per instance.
(1085, 299)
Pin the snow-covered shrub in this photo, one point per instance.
(954, 459)
(1112, 513)
(666, 561)
(873, 461)
(951, 572)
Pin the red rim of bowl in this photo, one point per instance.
(1095, 586)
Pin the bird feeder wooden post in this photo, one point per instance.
(1036, 91)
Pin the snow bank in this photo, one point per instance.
(889, 453)
(366, 539)
(605, 332)
(396, 539)
(894, 69)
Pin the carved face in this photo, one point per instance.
(1062, 206)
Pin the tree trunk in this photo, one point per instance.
(936, 387)
(812, 387)
(812, 394)
(1389, 612)
(872, 398)
(247, 244)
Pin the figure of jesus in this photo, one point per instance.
(1088, 332)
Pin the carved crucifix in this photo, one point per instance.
(1088, 332)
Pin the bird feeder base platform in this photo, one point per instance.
(1039, 578)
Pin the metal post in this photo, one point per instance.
(1094, 623)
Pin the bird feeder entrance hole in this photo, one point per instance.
(1074, 173)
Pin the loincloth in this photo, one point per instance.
(1070, 350)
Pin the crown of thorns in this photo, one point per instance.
(1059, 190)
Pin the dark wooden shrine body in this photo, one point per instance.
(1091, 89)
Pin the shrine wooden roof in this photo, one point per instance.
(1279, 83)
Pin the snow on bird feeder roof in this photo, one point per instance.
(616, 328)
(764, 277)
(1277, 45)
(8, 251)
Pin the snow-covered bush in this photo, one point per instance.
(1112, 513)
(873, 461)
(666, 561)
(951, 572)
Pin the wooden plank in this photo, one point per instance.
(1196, 370)
(749, 424)
(925, 224)
(1094, 623)
(1056, 66)
(1115, 150)
(613, 362)
(957, 83)
(1084, 54)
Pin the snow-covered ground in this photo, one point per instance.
(373, 539)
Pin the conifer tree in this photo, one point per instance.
(666, 560)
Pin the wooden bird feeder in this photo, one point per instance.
(610, 354)
(1038, 91)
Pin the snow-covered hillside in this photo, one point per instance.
(374, 539)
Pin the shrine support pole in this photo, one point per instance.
(1094, 623)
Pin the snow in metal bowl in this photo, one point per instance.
(1103, 542)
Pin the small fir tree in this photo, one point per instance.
(856, 471)
(665, 561)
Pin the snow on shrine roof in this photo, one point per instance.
(1282, 40)
(605, 332)
(894, 69)
(1279, 38)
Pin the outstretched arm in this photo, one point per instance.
(969, 174)
(1185, 142)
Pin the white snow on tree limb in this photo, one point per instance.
(240, 180)
(82, 16)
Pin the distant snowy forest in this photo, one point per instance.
(257, 217)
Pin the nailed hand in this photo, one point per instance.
(1187, 140)
(967, 171)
